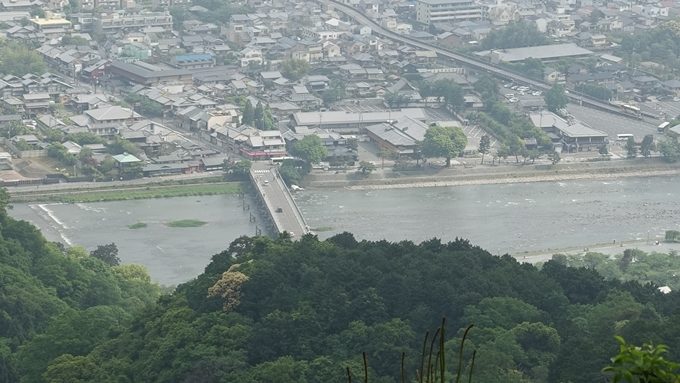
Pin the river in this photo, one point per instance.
(509, 218)
(172, 255)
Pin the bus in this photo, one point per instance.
(624, 137)
(631, 109)
(279, 160)
(662, 128)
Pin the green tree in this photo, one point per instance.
(531, 67)
(484, 146)
(335, 92)
(248, 116)
(555, 157)
(647, 145)
(258, 115)
(670, 149)
(556, 98)
(631, 148)
(396, 100)
(366, 167)
(603, 150)
(107, 254)
(240, 169)
(595, 91)
(642, 364)
(310, 149)
(72, 369)
(444, 141)
(450, 92)
(515, 35)
(293, 69)
(179, 16)
(487, 87)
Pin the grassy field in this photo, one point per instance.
(186, 223)
(131, 193)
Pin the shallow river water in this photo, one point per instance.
(507, 218)
(172, 255)
(500, 218)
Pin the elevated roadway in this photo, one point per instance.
(470, 61)
(279, 203)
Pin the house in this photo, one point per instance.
(36, 102)
(194, 61)
(573, 135)
(252, 143)
(402, 136)
(106, 121)
(213, 163)
(251, 56)
(672, 86)
(404, 89)
(347, 122)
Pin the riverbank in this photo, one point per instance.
(123, 192)
(485, 175)
(610, 248)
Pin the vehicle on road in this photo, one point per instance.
(624, 136)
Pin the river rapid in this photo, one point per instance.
(509, 218)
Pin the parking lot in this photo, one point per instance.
(612, 124)
(474, 134)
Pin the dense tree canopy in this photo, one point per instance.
(281, 311)
(515, 35)
(556, 98)
(444, 141)
(310, 149)
(276, 310)
(56, 301)
(660, 45)
(18, 60)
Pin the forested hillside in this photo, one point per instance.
(281, 311)
(55, 301)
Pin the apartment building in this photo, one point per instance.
(123, 20)
(432, 11)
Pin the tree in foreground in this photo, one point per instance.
(644, 364)
(444, 141)
(107, 253)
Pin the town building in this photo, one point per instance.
(552, 52)
(570, 135)
(434, 11)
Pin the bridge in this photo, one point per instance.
(277, 200)
(470, 61)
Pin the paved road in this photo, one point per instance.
(112, 184)
(472, 62)
(276, 196)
